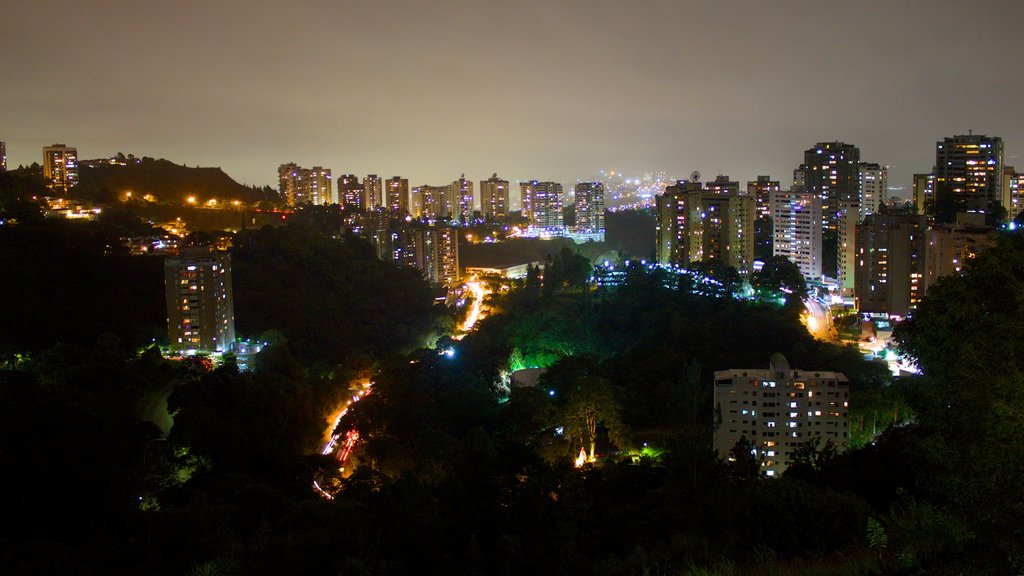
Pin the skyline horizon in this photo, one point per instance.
(902, 190)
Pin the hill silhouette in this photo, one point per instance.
(166, 181)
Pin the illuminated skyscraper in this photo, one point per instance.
(589, 207)
(542, 204)
(200, 309)
(459, 201)
(494, 203)
(796, 215)
(319, 183)
(60, 167)
(761, 189)
(968, 175)
(397, 190)
(372, 192)
(872, 184)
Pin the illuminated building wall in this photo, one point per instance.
(890, 262)
(779, 409)
(397, 190)
(373, 196)
(60, 167)
(589, 207)
(968, 175)
(761, 189)
(796, 217)
(200, 309)
(872, 184)
(494, 198)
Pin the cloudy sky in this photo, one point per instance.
(530, 89)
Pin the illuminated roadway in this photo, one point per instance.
(340, 445)
(819, 320)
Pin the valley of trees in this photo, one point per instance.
(455, 472)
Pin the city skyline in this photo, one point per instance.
(529, 90)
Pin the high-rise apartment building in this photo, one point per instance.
(761, 189)
(494, 198)
(291, 183)
(373, 192)
(872, 184)
(319, 183)
(542, 204)
(830, 170)
(778, 409)
(589, 207)
(951, 246)
(924, 195)
(968, 175)
(350, 192)
(846, 245)
(695, 224)
(60, 167)
(460, 199)
(433, 249)
(397, 190)
(1012, 190)
(890, 264)
(430, 202)
(200, 309)
(796, 217)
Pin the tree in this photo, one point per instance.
(779, 278)
(586, 399)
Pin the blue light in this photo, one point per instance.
(551, 392)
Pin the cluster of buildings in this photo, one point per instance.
(542, 202)
(835, 221)
(419, 226)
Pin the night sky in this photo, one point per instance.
(550, 89)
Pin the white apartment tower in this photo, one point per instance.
(796, 215)
(779, 409)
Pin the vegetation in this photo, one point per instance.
(454, 472)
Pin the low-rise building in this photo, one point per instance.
(778, 409)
